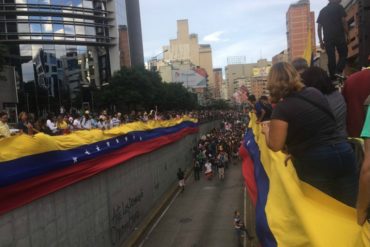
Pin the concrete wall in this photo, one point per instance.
(102, 210)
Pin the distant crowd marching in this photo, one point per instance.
(67, 123)
(217, 149)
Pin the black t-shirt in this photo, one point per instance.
(23, 126)
(330, 18)
(180, 175)
(308, 125)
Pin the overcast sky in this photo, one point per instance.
(251, 28)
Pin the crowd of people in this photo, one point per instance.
(219, 148)
(66, 123)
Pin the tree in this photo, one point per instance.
(140, 89)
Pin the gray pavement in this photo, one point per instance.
(202, 215)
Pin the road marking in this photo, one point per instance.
(159, 219)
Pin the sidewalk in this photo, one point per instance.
(203, 214)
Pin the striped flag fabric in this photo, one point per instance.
(290, 212)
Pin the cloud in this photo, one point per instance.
(214, 37)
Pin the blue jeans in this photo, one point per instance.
(332, 169)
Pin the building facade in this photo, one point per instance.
(186, 47)
(245, 72)
(358, 20)
(62, 46)
(281, 57)
(218, 77)
(299, 21)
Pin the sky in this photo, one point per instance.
(252, 28)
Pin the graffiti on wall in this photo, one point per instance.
(125, 215)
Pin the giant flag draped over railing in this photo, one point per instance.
(290, 212)
(34, 166)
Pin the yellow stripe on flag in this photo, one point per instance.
(307, 55)
(298, 214)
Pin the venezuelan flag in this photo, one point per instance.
(290, 212)
(308, 52)
(34, 166)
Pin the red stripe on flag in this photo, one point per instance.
(248, 174)
(19, 194)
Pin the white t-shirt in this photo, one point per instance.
(77, 123)
(52, 126)
(208, 166)
(86, 123)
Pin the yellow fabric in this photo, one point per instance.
(301, 215)
(63, 125)
(307, 55)
(4, 130)
(23, 145)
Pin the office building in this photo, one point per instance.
(218, 77)
(68, 45)
(187, 48)
(237, 74)
(299, 21)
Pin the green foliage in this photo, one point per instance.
(137, 88)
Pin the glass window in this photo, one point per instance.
(35, 28)
(32, 1)
(25, 50)
(34, 18)
(20, 1)
(46, 18)
(87, 4)
(56, 2)
(23, 28)
(36, 49)
(81, 49)
(58, 28)
(53, 59)
(77, 3)
(60, 50)
(48, 47)
(90, 30)
(47, 28)
(44, 1)
(69, 29)
(57, 18)
(80, 30)
(22, 17)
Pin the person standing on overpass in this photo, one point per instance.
(332, 21)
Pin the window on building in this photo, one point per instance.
(47, 28)
(69, 29)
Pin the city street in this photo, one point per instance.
(203, 214)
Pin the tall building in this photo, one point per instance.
(244, 74)
(134, 32)
(186, 47)
(358, 20)
(64, 45)
(124, 47)
(299, 20)
(218, 77)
